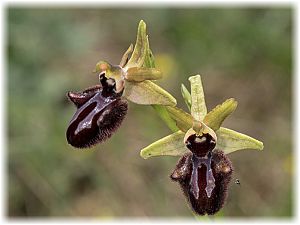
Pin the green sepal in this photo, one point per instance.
(147, 93)
(149, 61)
(230, 141)
(171, 145)
(186, 96)
(184, 121)
(125, 57)
(198, 106)
(138, 55)
(139, 74)
(215, 117)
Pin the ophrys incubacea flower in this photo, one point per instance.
(102, 108)
(204, 170)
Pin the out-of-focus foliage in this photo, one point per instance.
(245, 53)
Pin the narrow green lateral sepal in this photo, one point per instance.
(149, 61)
(198, 107)
(171, 145)
(125, 57)
(215, 117)
(147, 93)
(230, 141)
(186, 96)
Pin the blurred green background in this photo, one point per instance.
(244, 53)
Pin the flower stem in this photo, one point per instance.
(164, 115)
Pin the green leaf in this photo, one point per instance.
(184, 121)
(198, 107)
(164, 115)
(215, 117)
(171, 145)
(139, 74)
(186, 96)
(230, 141)
(147, 93)
(138, 56)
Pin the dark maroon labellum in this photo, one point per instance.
(100, 111)
(195, 176)
(200, 145)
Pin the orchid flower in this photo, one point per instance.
(101, 109)
(203, 170)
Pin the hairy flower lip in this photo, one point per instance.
(96, 119)
(100, 111)
(222, 170)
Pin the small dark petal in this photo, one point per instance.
(222, 172)
(96, 120)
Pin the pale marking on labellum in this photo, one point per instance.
(199, 140)
(194, 178)
(210, 180)
(87, 121)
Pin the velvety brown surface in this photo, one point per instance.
(222, 171)
(104, 114)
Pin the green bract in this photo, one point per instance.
(199, 121)
(134, 74)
